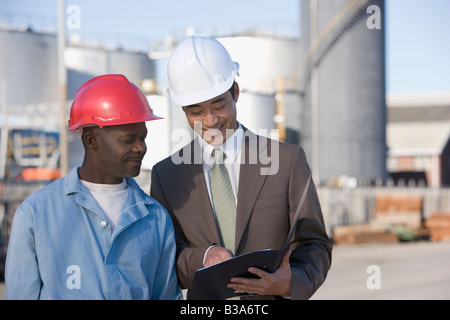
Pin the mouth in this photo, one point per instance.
(214, 132)
(135, 161)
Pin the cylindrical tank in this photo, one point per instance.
(257, 112)
(29, 83)
(28, 68)
(84, 63)
(344, 119)
(264, 60)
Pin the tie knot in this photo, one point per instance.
(218, 155)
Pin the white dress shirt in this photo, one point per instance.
(232, 148)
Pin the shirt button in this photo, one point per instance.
(104, 224)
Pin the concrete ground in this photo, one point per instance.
(400, 271)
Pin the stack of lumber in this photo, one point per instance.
(398, 217)
(439, 226)
(362, 233)
(399, 210)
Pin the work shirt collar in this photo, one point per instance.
(133, 208)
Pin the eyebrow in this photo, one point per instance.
(218, 100)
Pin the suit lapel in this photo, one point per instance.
(250, 181)
(192, 178)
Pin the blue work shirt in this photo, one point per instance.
(62, 247)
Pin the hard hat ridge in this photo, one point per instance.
(108, 100)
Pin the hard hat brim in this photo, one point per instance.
(201, 96)
(114, 122)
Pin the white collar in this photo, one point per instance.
(105, 187)
(231, 147)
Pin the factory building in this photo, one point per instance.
(418, 136)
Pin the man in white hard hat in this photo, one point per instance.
(259, 198)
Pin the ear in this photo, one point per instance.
(237, 90)
(91, 138)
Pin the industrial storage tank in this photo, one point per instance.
(257, 112)
(342, 78)
(28, 69)
(29, 111)
(29, 89)
(85, 62)
(267, 65)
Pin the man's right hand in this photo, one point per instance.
(216, 255)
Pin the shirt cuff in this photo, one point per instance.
(206, 252)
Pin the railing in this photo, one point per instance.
(345, 206)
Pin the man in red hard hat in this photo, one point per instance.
(95, 234)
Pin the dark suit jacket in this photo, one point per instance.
(266, 205)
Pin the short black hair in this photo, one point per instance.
(232, 90)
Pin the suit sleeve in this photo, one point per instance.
(188, 258)
(311, 247)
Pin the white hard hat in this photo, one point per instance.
(199, 69)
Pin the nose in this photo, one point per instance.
(140, 147)
(210, 120)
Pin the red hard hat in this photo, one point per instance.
(109, 100)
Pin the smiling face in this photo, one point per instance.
(113, 152)
(215, 119)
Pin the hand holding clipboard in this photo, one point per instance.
(211, 283)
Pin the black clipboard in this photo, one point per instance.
(211, 283)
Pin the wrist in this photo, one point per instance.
(206, 252)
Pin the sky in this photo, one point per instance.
(417, 31)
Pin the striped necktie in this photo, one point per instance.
(223, 200)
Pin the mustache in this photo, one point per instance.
(134, 159)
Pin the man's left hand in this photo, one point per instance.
(276, 284)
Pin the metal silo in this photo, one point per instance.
(86, 62)
(27, 67)
(264, 61)
(256, 112)
(342, 77)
